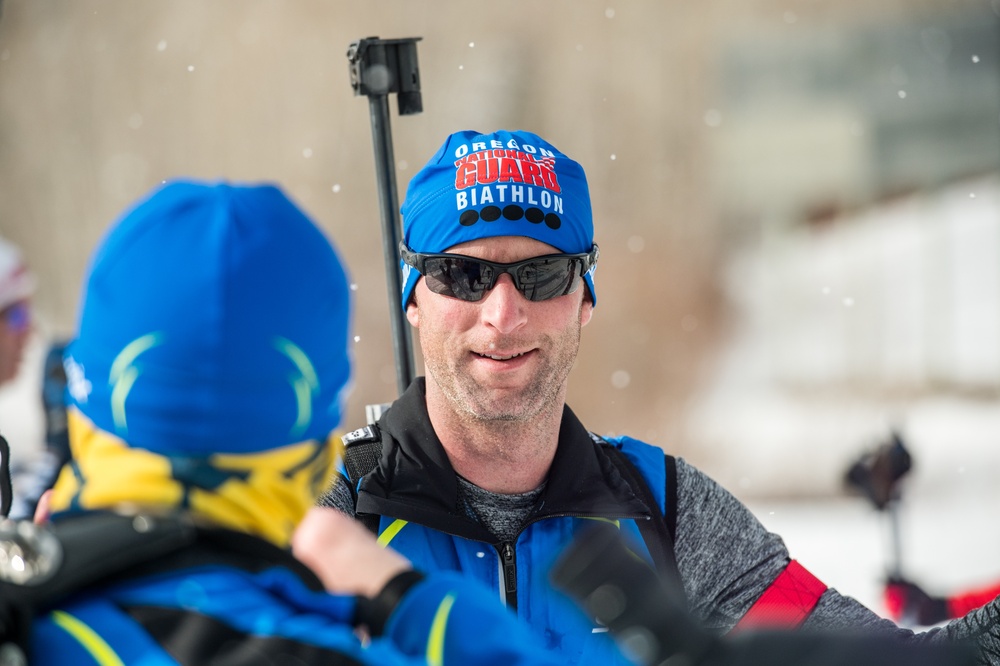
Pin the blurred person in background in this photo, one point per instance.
(16, 288)
(33, 467)
(210, 369)
(911, 604)
(481, 466)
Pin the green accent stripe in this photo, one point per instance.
(616, 523)
(88, 638)
(123, 375)
(435, 642)
(305, 384)
(391, 532)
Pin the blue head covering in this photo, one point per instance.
(214, 320)
(508, 183)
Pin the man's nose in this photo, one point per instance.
(504, 307)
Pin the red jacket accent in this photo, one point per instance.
(786, 602)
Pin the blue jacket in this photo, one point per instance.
(415, 491)
(231, 598)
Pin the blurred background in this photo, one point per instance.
(797, 203)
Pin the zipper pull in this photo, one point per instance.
(509, 570)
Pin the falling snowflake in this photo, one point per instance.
(902, 94)
(162, 45)
(307, 152)
(336, 188)
(975, 58)
(190, 68)
(620, 379)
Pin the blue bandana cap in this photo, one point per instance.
(508, 183)
(214, 319)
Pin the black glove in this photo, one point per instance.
(909, 604)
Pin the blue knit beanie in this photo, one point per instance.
(214, 320)
(508, 183)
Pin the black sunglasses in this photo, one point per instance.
(468, 278)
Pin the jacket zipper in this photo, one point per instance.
(508, 557)
(508, 574)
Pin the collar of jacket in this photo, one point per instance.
(414, 480)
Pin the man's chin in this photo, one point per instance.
(503, 406)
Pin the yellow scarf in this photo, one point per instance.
(264, 493)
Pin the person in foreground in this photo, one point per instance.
(208, 375)
(481, 467)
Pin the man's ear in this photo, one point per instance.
(586, 311)
(413, 312)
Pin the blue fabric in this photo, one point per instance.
(173, 349)
(563, 627)
(506, 183)
(272, 603)
(275, 603)
(52, 644)
(649, 460)
(470, 638)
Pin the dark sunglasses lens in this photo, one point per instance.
(548, 278)
(466, 279)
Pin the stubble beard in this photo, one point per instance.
(505, 409)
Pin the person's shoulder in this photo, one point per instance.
(690, 474)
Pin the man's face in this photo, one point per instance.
(503, 358)
(15, 324)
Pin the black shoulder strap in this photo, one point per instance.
(362, 450)
(73, 555)
(658, 532)
(102, 547)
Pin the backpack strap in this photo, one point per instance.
(66, 557)
(362, 450)
(658, 532)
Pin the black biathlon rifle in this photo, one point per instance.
(380, 67)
